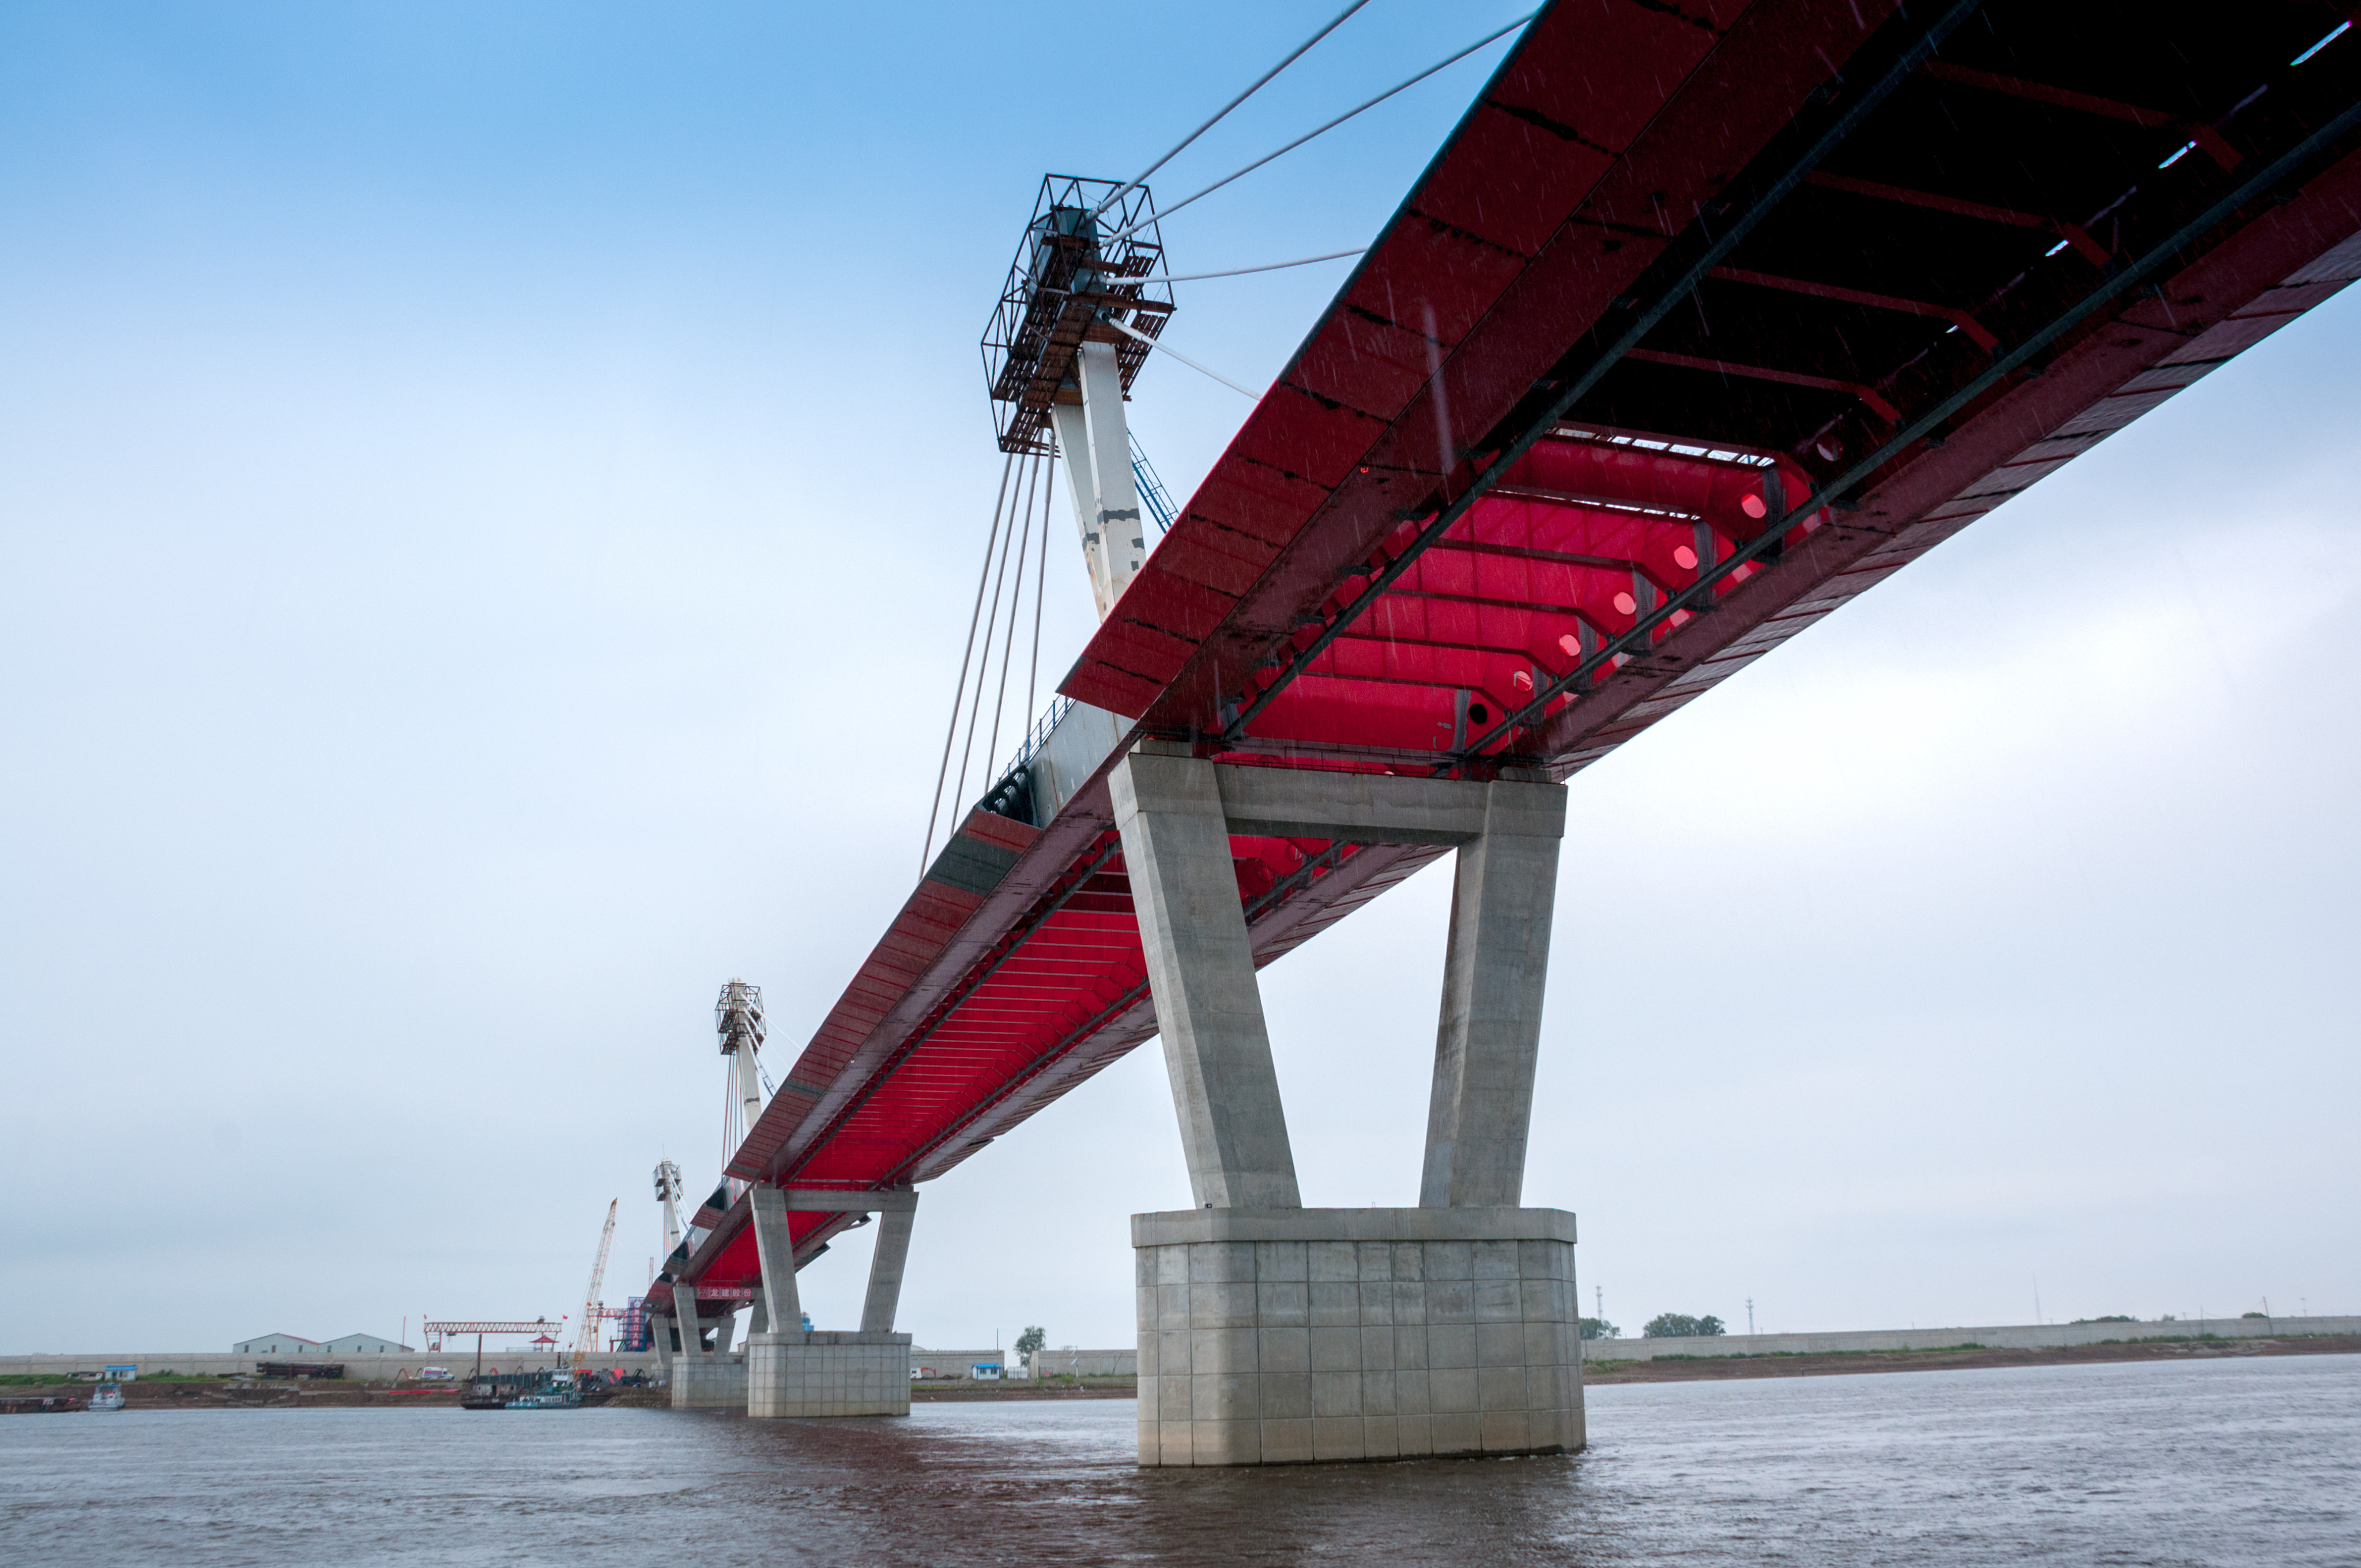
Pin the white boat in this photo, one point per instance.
(106, 1396)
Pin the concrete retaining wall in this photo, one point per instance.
(957, 1362)
(2018, 1336)
(1123, 1363)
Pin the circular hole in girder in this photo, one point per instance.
(1625, 604)
(1478, 713)
(1570, 645)
(1521, 681)
(1753, 506)
(1684, 558)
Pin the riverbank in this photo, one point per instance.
(303, 1394)
(961, 1392)
(195, 1394)
(1954, 1358)
(1990, 1336)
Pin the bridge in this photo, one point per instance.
(1705, 320)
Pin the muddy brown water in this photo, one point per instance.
(2248, 1461)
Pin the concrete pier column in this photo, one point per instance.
(1494, 974)
(725, 1326)
(775, 1250)
(758, 1315)
(702, 1379)
(1176, 847)
(885, 1265)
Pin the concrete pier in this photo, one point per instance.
(709, 1382)
(1284, 1336)
(1270, 1334)
(703, 1379)
(791, 1372)
(825, 1374)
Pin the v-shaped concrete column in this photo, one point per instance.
(1493, 975)
(885, 1265)
(1176, 848)
(776, 1254)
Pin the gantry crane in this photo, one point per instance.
(586, 1340)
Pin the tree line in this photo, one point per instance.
(1663, 1325)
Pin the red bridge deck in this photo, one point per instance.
(1703, 320)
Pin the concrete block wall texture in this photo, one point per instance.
(710, 1382)
(828, 1374)
(1294, 1336)
(2015, 1336)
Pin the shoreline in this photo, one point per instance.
(1951, 1358)
(178, 1394)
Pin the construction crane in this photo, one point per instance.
(593, 1317)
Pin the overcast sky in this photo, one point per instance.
(488, 502)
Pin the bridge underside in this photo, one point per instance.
(1656, 367)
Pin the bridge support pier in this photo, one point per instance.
(864, 1373)
(1284, 1336)
(704, 1380)
(1270, 1334)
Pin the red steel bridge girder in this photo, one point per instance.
(1872, 273)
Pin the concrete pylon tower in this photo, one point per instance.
(668, 1192)
(1097, 445)
(737, 1019)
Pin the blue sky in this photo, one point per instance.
(488, 498)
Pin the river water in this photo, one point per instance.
(2230, 1461)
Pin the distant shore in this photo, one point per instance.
(1707, 1366)
(285, 1394)
(210, 1394)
